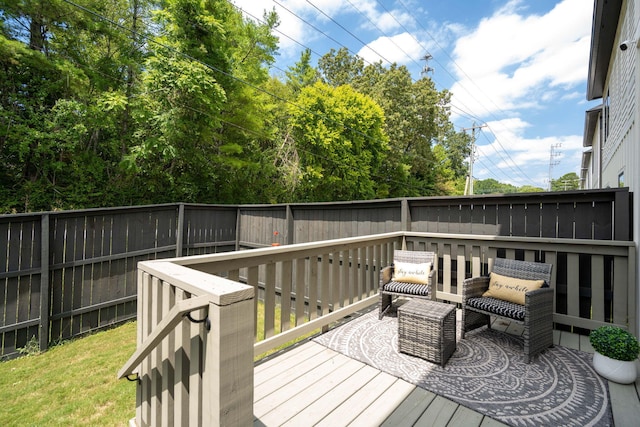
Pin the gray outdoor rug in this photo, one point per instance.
(487, 373)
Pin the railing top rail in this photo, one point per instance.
(518, 239)
(220, 290)
(259, 254)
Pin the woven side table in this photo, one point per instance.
(427, 329)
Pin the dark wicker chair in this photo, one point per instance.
(390, 289)
(536, 315)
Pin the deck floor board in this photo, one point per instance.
(312, 385)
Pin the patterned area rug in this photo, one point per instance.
(487, 373)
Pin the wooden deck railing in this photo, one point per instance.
(191, 374)
(194, 360)
(307, 286)
(594, 280)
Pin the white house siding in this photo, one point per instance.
(621, 153)
(621, 150)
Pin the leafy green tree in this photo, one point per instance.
(67, 74)
(302, 73)
(338, 68)
(569, 181)
(492, 186)
(206, 112)
(416, 119)
(340, 140)
(247, 116)
(530, 189)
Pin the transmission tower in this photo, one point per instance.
(427, 69)
(554, 153)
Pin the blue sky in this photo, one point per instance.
(518, 67)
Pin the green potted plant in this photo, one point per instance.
(616, 351)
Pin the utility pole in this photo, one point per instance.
(472, 156)
(554, 153)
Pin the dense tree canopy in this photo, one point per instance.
(149, 101)
(339, 136)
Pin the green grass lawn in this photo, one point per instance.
(75, 384)
(72, 384)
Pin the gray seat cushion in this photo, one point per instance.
(407, 288)
(497, 306)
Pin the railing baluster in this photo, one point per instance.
(313, 287)
(300, 290)
(325, 284)
(168, 358)
(621, 303)
(286, 297)
(353, 279)
(269, 300)
(344, 277)
(252, 280)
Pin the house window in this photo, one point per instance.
(621, 179)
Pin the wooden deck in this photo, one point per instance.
(312, 385)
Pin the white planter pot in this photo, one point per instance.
(620, 371)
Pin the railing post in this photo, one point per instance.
(227, 377)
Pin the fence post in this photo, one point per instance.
(623, 211)
(238, 225)
(44, 282)
(227, 376)
(290, 224)
(405, 215)
(180, 230)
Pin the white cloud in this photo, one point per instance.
(401, 49)
(524, 154)
(510, 60)
(292, 15)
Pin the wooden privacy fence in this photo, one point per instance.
(594, 214)
(192, 373)
(67, 273)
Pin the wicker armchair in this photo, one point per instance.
(536, 315)
(390, 289)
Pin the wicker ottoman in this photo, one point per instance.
(427, 329)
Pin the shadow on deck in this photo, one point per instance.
(313, 385)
